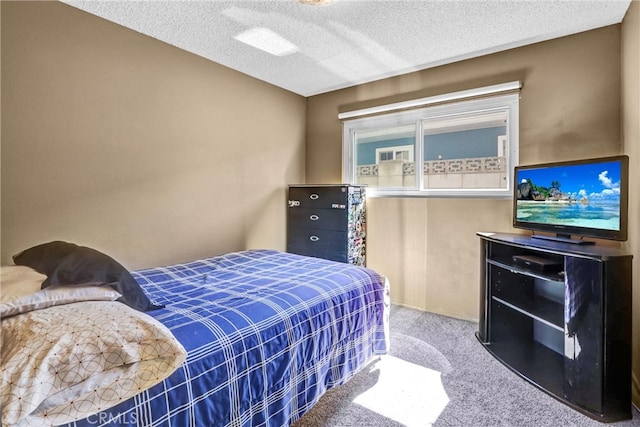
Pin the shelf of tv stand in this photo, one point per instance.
(525, 241)
(506, 263)
(541, 309)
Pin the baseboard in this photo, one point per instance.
(440, 312)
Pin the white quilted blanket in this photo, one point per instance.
(67, 362)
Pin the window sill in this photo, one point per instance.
(445, 193)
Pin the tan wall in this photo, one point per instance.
(569, 107)
(631, 140)
(117, 141)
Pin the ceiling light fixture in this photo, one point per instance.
(268, 41)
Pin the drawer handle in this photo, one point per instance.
(314, 238)
(313, 217)
(314, 196)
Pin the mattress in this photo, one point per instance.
(266, 334)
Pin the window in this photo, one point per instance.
(462, 148)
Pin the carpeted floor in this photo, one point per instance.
(438, 374)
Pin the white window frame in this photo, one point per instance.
(498, 97)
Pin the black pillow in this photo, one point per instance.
(46, 257)
(70, 264)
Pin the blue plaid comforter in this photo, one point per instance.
(267, 333)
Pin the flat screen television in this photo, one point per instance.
(581, 198)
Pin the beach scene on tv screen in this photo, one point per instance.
(572, 195)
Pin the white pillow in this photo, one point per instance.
(57, 295)
(18, 281)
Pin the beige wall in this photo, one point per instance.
(631, 141)
(117, 141)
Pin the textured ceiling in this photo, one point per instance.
(348, 42)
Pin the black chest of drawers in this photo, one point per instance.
(327, 221)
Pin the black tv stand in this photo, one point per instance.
(567, 328)
(564, 238)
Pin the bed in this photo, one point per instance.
(264, 333)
